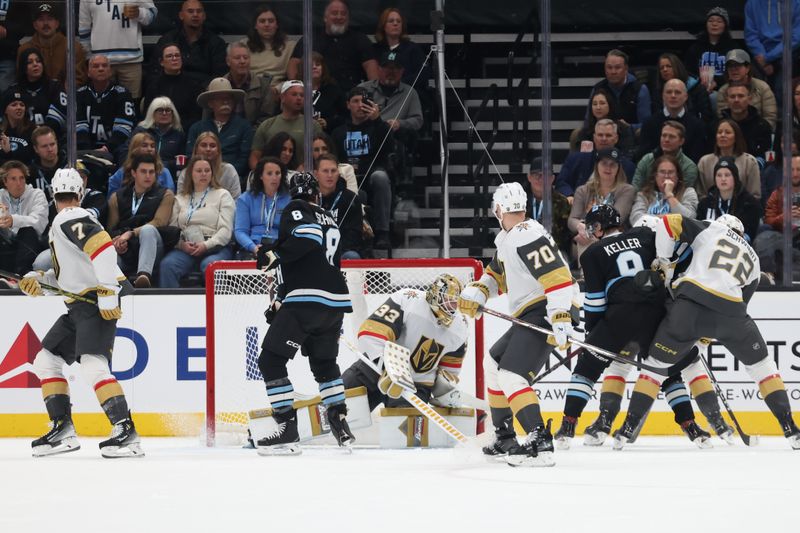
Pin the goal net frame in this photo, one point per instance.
(441, 266)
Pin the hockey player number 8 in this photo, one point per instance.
(331, 243)
(729, 257)
(629, 263)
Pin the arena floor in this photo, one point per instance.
(658, 484)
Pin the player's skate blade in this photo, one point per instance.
(131, 450)
(563, 437)
(696, 434)
(60, 439)
(596, 439)
(279, 449)
(542, 460)
(124, 441)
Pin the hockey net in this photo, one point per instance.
(237, 294)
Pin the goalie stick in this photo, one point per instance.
(665, 371)
(749, 440)
(408, 394)
(51, 288)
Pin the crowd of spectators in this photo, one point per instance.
(189, 146)
(192, 145)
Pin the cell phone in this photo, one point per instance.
(796, 200)
(368, 101)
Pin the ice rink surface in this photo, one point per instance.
(658, 484)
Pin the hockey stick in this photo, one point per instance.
(408, 394)
(561, 362)
(51, 288)
(594, 349)
(749, 440)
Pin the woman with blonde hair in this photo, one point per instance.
(607, 184)
(141, 143)
(204, 214)
(665, 192)
(163, 122)
(208, 147)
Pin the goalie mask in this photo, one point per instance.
(733, 223)
(67, 180)
(442, 296)
(508, 198)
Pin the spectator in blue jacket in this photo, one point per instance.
(258, 211)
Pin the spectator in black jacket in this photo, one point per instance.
(729, 197)
(203, 51)
(365, 142)
(35, 84)
(163, 122)
(633, 98)
(698, 103)
(674, 97)
(709, 51)
(48, 159)
(757, 131)
(342, 203)
(172, 82)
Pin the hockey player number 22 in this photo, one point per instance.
(729, 257)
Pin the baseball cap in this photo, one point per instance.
(289, 84)
(44, 9)
(608, 153)
(389, 56)
(737, 55)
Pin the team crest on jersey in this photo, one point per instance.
(410, 294)
(523, 226)
(425, 356)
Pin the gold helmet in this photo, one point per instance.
(442, 296)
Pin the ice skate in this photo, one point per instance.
(282, 441)
(624, 435)
(337, 418)
(60, 439)
(791, 431)
(721, 428)
(696, 434)
(124, 441)
(597, 432)
(536, 451)
(500, 447)
(565, 433)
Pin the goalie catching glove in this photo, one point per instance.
(472, 298)
(389, 387)
(562, 328)
(29, 284)
(108, 304)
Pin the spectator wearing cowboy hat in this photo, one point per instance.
(235, 132)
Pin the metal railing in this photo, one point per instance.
(480, 172)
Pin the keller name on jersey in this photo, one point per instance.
(621, 246)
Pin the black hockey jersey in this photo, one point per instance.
(609, 267)
(102, 119)
(309, 254)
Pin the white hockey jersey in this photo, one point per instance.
(529, 267)
(84, 257)
(405, 318)
(724, 270)
(103, 29)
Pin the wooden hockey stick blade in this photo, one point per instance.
(665, 371)
(51, 288)
(749, 440)
(428, 411)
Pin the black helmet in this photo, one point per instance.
(602, 216)
(303, 185)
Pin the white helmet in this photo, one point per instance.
(648, 221)
(67, 180)
(509, 198)
(732, 222)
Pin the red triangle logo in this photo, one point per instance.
(23, 351)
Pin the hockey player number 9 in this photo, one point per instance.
(729, 257)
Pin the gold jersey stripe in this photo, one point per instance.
(95, 242)
(708, 289)
(674, 225)
(527, 305)
(613, 386)
(499, 277)
(522, 400)
(700, 386)
(770, 385)
(557, 277)
(54, 387)
(109, 390)
(647, 386)
(498, 401)
(377, 328)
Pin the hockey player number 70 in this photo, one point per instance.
(731, 258)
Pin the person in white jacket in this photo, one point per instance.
(114, 29)
(23, 217)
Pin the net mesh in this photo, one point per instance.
(240, 294)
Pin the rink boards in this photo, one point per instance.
(159, 358)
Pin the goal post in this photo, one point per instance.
(237, 294)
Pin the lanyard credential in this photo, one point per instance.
(193, 208)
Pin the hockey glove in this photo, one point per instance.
(562, 328)
(389, 387)
(271, 311)
(30, 283)
(471, 298)
(108, 303)
(665, 267)
(266, 259)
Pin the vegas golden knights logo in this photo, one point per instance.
(425, 356)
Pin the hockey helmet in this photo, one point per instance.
(304, 185)
(67, 180)
(442, 296)
(602, 217)
(733, 223)
(508, 198)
